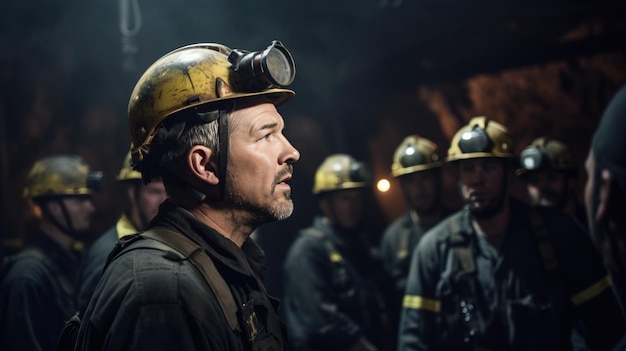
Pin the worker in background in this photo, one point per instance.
(333, 281)
(418, 168)
(38, 284)
(142, 204)
(550, 173)
(500, 275)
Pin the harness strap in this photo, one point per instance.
(204, 264)
(544, 244)
(463, 250)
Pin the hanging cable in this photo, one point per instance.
(130, 24)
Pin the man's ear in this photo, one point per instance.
(604, 196)
(202, 165)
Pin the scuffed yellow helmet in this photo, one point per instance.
(200, 76)
(340, 171)
(414, 154)
(481, 138)
(61, 175)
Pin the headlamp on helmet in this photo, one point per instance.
(475, 140)
(414, 154)
(272, 67)
(481, 138)
(531, 159)
(544, 153)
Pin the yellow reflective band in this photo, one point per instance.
(591, 291)
(403, 253)
(421, 303)
(335, 257)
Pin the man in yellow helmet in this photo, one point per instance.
(417, 166)
(499, 275)
(37, 294)
(142, 205)
(332, 281)
(203, 118)
(549, 171)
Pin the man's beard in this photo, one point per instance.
(487, 211)
(259, 214)
(484, 212)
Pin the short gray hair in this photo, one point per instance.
(201, 134)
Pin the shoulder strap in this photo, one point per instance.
(196, 255)
(544, 243)
(404, 237)
(462, 248)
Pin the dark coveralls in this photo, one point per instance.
(36, 296)
(331, 296)
(462, 295)
(95, 258)
(397, 243)
(396, 246)
(147, 300)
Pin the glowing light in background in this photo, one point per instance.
(383, 185)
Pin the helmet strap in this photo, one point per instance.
(223, 133)
(69, 227)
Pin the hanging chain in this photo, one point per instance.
(130, 24)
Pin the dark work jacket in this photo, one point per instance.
(331, 297)
(146, 300)
(95, 258)
(396, 246)
(37, 296)
(510, 301)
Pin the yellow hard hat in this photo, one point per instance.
(199, 77)
(127, 172)
(414, 154)
(481, 138)
(341, 171)
(546, 153)
(61, 175)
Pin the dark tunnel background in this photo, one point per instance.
(368, 74)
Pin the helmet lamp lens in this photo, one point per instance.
(412, 157)
(279, 66)
(475, 140)
(359, 172)
(531, 159)
(273, 67)
(95, 180)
